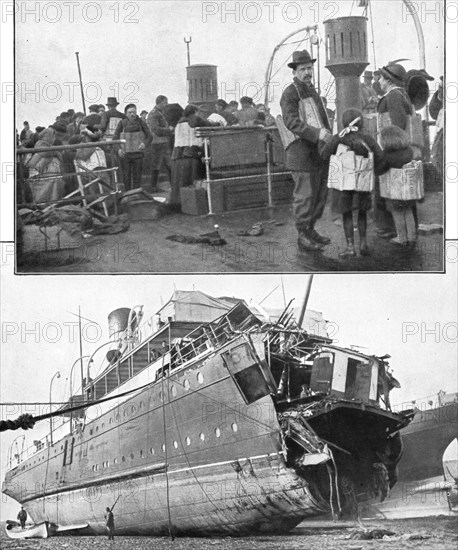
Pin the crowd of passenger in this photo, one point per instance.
(162, 139)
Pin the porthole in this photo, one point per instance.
(132, 456)
(118, 417)
(151, 451)
(186, 384)
(234, 427)
(123, 459)
(175, 444)
(97, 429)
(160, 396)
(103, 425)
(111, 421)
(141, 454)
(217, 432)
(174, 391)
(163, 447)
(141, 405)
(200, 377)
(202, 436)
(91, 432)
(115, 460)
(188, 441)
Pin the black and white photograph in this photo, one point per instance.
(241, 412)
(228, 274)
(211, 137)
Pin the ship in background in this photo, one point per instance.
(427, 475)
(214, 418)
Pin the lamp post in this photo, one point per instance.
(57, 375)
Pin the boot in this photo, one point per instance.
(349, 252)
(363, 248)
(304, 242)
(318, 238)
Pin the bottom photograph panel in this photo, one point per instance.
(216, 406)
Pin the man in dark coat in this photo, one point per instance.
(132, 152)
(309, 171)
(110, 120)
(22, 517)
(109, 518)
(161, 148)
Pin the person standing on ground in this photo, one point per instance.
(397, 104)
(109, 518)
(353, 139)
(22, 517)
(161, 148)
(137, 135)
(436, 110)
(309, 171)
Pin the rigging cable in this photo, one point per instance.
(372, 30)
(284, 62)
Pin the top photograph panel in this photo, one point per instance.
(229, 137)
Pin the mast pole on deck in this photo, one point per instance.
(187, 48)
(305, 301)
(81, 81)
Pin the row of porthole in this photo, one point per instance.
(187, 440)
(132, 410)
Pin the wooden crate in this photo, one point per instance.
(251, 192)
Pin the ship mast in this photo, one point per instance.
(305, 301)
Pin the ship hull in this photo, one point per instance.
(420, 490)
(202, 452)
(252, 495)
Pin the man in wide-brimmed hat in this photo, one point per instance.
(309, 171)
(110, 119)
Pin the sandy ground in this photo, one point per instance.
(427, 534)
(144, 247)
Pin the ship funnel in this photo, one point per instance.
(202, 85)
(118, 320)
(346, 59)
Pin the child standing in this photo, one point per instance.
(347, 201)
(397, 153)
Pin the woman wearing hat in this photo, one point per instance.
(309, 171)
(393, 108)
(395, 102)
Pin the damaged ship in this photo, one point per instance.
(218, 421)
